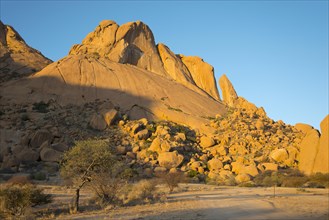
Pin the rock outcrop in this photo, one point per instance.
(321, 162)
(202, 74)
(314, 150)
(17, 59)
(228, 91)
(174, 66)
(133, 43)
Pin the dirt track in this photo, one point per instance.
(208, 202)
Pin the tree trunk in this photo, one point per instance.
(76, 202)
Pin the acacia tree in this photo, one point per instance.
(84, 163)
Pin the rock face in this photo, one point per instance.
(314, 150)
(303, 127)
(17, 59)
(174, 65)
(228, 91)
(321, 162)
(202, 74)
(78, 79)
(133, 43)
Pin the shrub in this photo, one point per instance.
(142, 191)
(247, 184)
(108, 187)
(16, 199)
(25, 117)
(41, 107)
(294, 181)
(19, 180)
(172, 179)
(192, 173)
(320, 179)
(39, 176)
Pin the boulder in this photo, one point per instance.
(237, 167)
(228, 91)
(259, 124)
(279, 155)
(250, 170)
(110, 116)
(50, 155)
(270, 166)
(40, 137)
(180, 137)
(143, 134)
(206, 142)
(241, 178)
(9, 161)
(159, 145)
(170, 159)
(61, 147)
(27, 155)
(97, 122)
(215, 164)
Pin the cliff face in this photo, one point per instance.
(17, 59)
(133, 43)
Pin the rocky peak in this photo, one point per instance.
(17, 58)
(133, 43)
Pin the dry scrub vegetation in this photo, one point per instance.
(92, 166)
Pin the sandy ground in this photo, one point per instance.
(197, 202)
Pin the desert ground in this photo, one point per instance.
(198, 201)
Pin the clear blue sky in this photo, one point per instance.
(274, 52)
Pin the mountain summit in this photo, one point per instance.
(17, 59)
(133, 43)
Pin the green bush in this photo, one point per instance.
(192, 173)
(16, 199)
(41, 107)
(25, 117)
(39, 176)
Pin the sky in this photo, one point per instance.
(274, 52)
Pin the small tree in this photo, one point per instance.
(86, 161)
(172, 179)
(15, 199)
